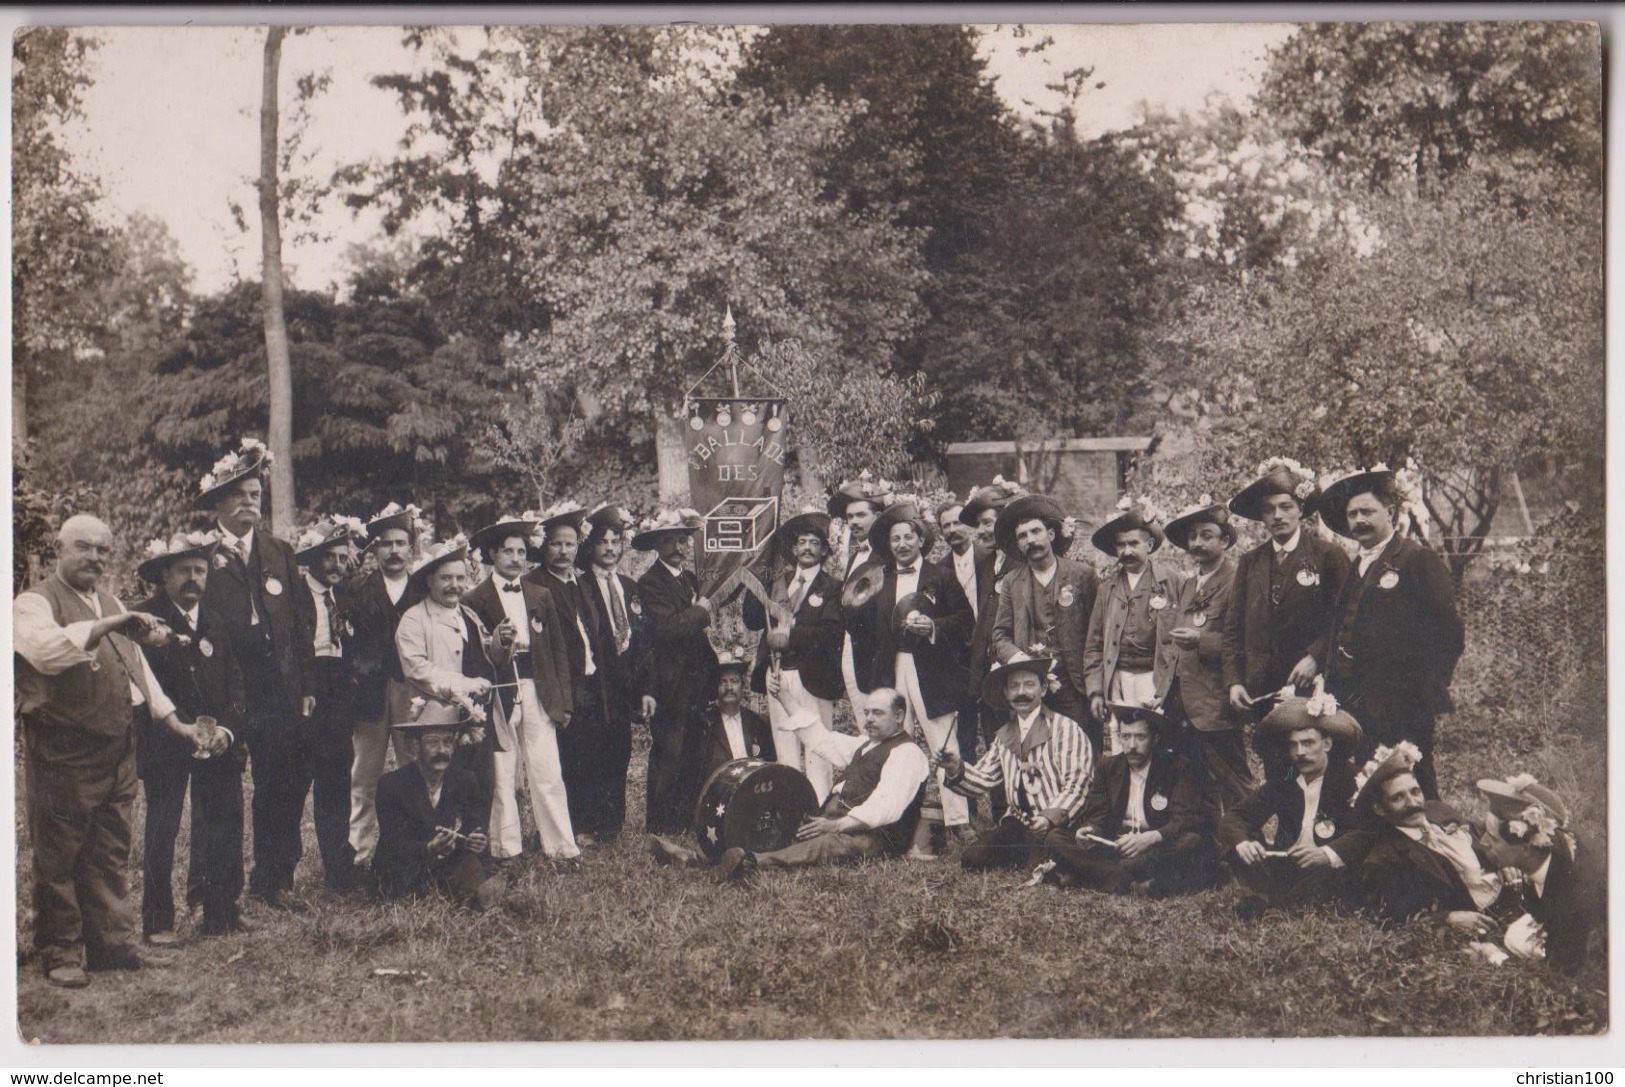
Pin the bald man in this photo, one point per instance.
(81, 684)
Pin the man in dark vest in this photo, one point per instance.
(873, 808)
(370, 606)
(198, 669)
(683, 670)
(623, 632)
(81, 688)
(1284, 592)
(256, 588)
(1396, 634)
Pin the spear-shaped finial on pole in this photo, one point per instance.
(731, 350)
(728, 325)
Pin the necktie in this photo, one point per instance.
(332, 620)
(617, 616)
(512, 587)
(907, 569)
(796, 589)
(242, 550)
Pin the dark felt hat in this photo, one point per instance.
(1278, 479)
(1178, 531)
(1335, 501)
(903, 510)
(182, 545)
(1030, 507)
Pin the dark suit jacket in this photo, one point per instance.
(548, 653)
(369, 644)
(941, 666)
(758, 738)
(198, 682)
(1110, 615)
(860, 627)
(1574, 906)
(575, 601)
(1404, 878)
(1105, 809)
(1016, 627)
(627, 678)
(1264, 641)
(1282, 799)
(987, 612)
(232, 593)
(682, 662)
(406, 822)
(1392, 651)
(1200, 671)
(815, 638)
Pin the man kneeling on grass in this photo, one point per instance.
(874, 807)
(432, 817)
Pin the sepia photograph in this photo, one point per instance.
(680, 531)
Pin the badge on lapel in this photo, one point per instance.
(1159, 802)
(219, 560)
(205, 647)
(1325, 828)
(1308, 578)
(535, 624)
(1199, 619)
(815, 601)
(1067, 597)
(1389, 579)
(637, 608)
(273, 586)
(1159, 602)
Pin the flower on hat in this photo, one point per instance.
(1147, 510)
(182, 541)
(435, 551)
(251, 451)
(1304, 488)
(865, 475)
(1069, 527)
(416, 706)
(1322, 703)
(1520, 782)
(1405, 749)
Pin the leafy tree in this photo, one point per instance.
(61, 248)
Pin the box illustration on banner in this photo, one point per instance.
(740, 525)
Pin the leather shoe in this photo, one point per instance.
(666, 851)
(166, 938)
(736, 864)
(67, 977)
(130, 959)
(282, 900)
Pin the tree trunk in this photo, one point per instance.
(283, 499)
(19, 400)
(671, 458)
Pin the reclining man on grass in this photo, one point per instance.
(874, 807)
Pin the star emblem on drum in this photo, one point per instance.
(722, 809)
(711, 834)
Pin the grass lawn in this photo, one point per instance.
(624, 950)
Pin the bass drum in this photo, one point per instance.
(752, 804)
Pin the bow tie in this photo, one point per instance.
(513, 587)
(908, 569)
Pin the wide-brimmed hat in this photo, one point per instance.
(182, 545)
(437, 555)
(250, 458)
(862, 489)
(395, 515)
(1385, 764)
(994, 496)
(433, 715)
(814, 521)
(1319, 712)
(1029, 507)
(566, 511)
(490, 537)
(1512, 798)
(901, 511)
(325, 533)
(1279, 475)
(1335, 500)
(1204, 512)
(1040, 663)
(678, 522)
(1163, 727)
(1131, 514)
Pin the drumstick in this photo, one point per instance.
(1098, 838)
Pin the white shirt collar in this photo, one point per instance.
(317, 589)
(233, 541)
(501, 581)
(1048, 576)
(676, 571)
(1368, 553)
(1135, 579)
(1025, 725)
(1537, 878)
(1291, 545)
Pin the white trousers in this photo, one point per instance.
(370, 742)
(849, 676)
(794, 700)
(1128, 689)
(940, 735)
(536, 752)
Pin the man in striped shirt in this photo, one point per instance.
(1043, 760)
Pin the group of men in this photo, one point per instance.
(1109, 711)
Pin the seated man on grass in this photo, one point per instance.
(873, 808)
(432, 817)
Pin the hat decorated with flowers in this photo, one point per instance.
(994, 496)
(1204, 512)
(810, 520)
(1037, 660)
(437, 555)
(408, 518)
(1132, 513)
(491, 537)
(1029, 507)
(1403, 483)
(1528, 812)
(1278, 475)
(865, 488)
(1385, 764)
(440, 715)
(250, 458)
(326, 532)
(1319, 711)
(668, 522)
(182, 545)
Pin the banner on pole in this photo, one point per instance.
(736, 453)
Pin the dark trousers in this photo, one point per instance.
(594, 753)
(1220, 759)
(1283, 883)
(215, 870)
(458, 877)
(1185, 863)
(1010, 844)
(676, 767)
(329, 754)
(80, 790)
